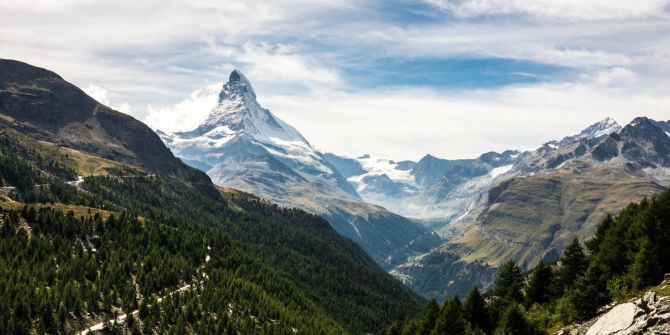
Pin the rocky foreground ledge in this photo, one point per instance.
(649, 314)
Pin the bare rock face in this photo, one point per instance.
(617, 319)
(648, 315)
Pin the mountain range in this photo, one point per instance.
(524, 206)
(542, 201)
(440, 226)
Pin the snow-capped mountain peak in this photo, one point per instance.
(604, 127)
(239, 81)
(238, 113)
(239, 129)
(596, 130)
(244, 146)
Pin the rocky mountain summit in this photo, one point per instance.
(646, 315)
(244, 146)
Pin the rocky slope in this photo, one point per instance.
(648, 314)
(243, 145)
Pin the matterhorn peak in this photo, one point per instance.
(236, 106)
(239, 115)
(237, 83)
(238, 90)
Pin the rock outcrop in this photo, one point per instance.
(647, 315)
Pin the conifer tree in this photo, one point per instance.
(509, 282)
(411, 328)
(573, 264)
(474, 310)
(512, 322)
(450, 321)
(588, 294)
(540, 283)
(428, 317)
(601, 232)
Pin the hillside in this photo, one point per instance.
(41, 104)
(108, 233)
(536, 218)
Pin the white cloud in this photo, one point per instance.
(615, 76)
(556, 9)
(37, 4)
(579, 45)
(298, 54)
(101, 95)
(408, 123)
(98, 93)
(187, 114)
(279, 64)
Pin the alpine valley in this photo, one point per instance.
(241, 226)
(523, 206)
(103, 230)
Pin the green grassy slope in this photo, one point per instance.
(535, 217)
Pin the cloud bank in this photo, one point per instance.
(364, 76)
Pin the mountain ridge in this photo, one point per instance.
(33, 101)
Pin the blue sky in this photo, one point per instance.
(397, 78)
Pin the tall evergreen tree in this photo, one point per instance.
(512, 322)
(428, 317)
(601, 232)
(450, 321)
(539, 286)
(411, 327)
(474, 311)
(573, 264)
(394, 329)
(509, 282)
(588, 294)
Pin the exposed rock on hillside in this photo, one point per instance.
(649, 314)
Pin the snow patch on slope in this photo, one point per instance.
(377, 166)
(500, 170)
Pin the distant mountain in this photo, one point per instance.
(548, 196)
(421, 190)
(603, 128)
(521, 205)
(243, 145)
(240, 136)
